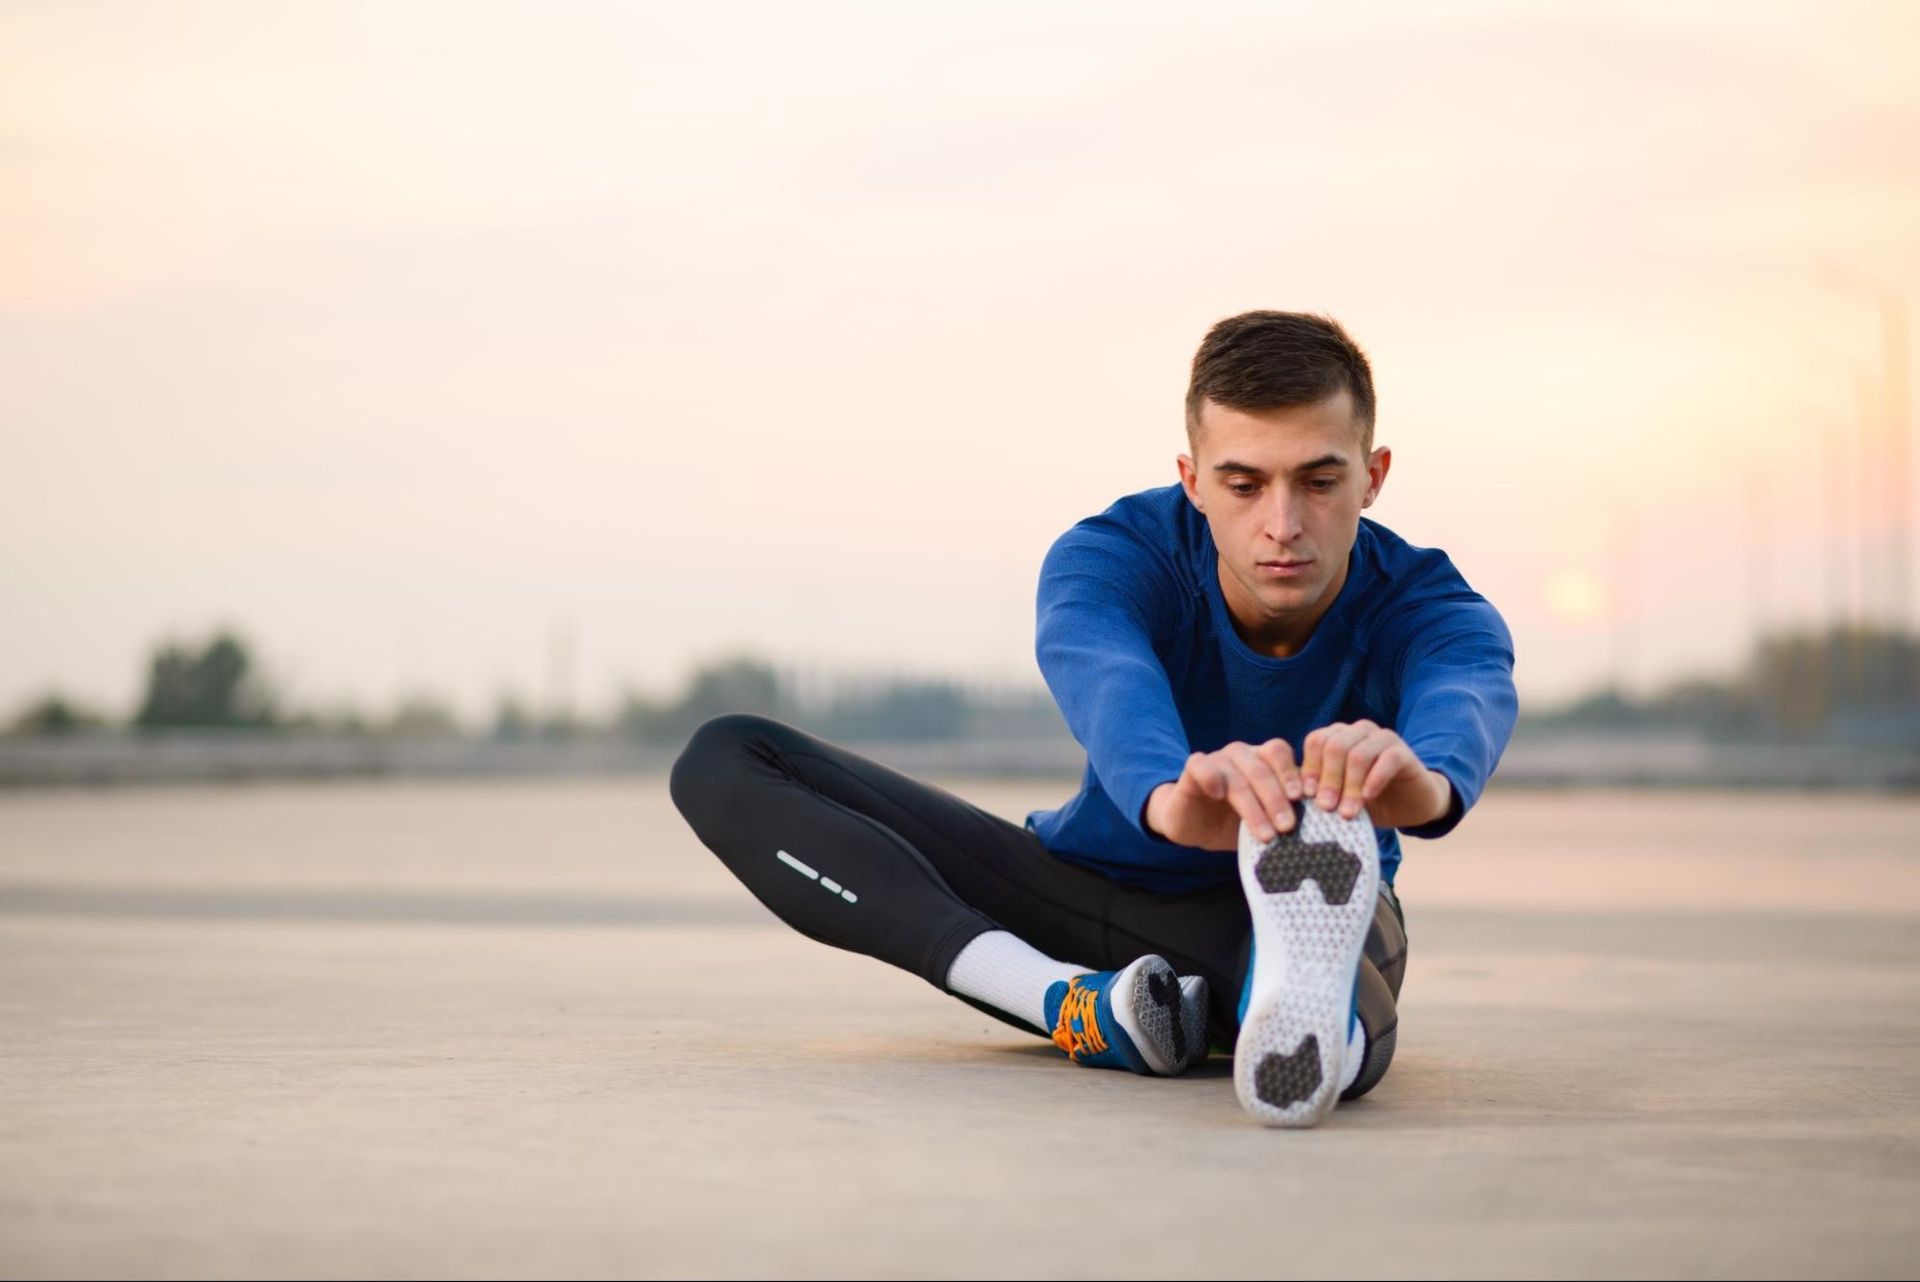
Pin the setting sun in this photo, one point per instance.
(1577, 595)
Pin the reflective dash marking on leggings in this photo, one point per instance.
(828, 884)
(796, 865)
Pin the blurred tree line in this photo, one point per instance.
(1853, 683)
(218, 685)
(900, 709)
(1849, 683)
(214, 685)
(211, 686)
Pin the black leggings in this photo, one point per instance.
(855, 855)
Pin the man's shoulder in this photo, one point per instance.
(1162, 511)
(1142, 548)
(1401, 563)
(1156, 525)
(1417, 586)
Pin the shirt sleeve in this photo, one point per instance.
(1103, 599)
(1457, 701)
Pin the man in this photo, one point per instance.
(1207, 884)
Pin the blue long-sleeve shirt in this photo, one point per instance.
(1136, 643)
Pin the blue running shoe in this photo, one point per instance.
(1311, 892)
(1142, 1017)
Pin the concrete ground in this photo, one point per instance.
(527, 1029)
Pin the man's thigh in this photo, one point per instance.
(990, 863)
(1001, 869)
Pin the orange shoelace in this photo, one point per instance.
(1078, 1007)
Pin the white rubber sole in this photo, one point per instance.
(1311, 893)
(1163, 1014)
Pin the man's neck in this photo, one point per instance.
(1278, 638)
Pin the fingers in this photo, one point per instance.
(1207, 775)
(1278, 754)
(1390, 763)
(1243, 791)
(1259, 783)
(1270, 811)
(1364, 761)
(1312, 752)
(1323, 760)
(1346, 766)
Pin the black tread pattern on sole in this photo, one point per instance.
(1163, 989)
(1287, 861)
(1285, 1080)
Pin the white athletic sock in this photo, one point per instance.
(1009, 974)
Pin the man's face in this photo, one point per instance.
(1282, 491)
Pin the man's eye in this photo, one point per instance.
(1323, 484)
(1242, 490)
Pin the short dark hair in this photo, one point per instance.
(1272, 360)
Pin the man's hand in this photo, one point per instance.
(1350, 765)
(1218, 791)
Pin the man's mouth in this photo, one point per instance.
(1285, 569)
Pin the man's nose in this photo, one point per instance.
(1283, 517)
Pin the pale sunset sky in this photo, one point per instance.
(398, 336)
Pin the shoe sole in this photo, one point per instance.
(1311, 893)
(1196, 992)
(1152, 1005)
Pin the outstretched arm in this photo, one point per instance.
(1457, 709)
(1102, 600)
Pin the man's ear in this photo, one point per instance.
(1378, 463)
(1190, 482)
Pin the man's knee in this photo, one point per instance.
(1386, 944)
(1380, 1018)
(710, 771)
(1379, 1059)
